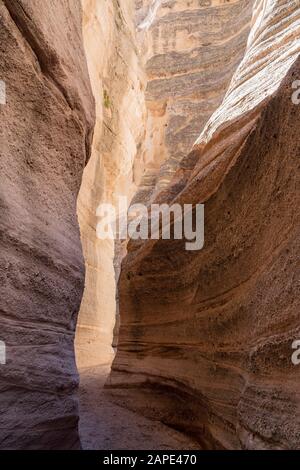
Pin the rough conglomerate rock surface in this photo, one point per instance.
(46, 132)
(206, 336)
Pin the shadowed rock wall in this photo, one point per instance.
(46, 132)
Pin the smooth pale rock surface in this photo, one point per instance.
(45, 132)
(206, 337)
(118, 86)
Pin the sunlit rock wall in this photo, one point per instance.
(118, 86)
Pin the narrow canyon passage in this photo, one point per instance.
(169, 76)
(145, 342)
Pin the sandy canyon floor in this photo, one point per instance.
(107, 426)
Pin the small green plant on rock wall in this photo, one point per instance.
(106, 100)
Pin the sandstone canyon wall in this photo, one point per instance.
(46, 132)
(205, 338)
(119, 85)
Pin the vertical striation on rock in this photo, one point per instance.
(46, 132)
(205, 339)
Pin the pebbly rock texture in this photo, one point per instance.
(119, 86)
(190, 51)
(46, 132)
(206, 337)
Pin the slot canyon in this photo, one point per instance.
(143, 344)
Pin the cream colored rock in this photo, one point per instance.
(118, 86)
(273, 46)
